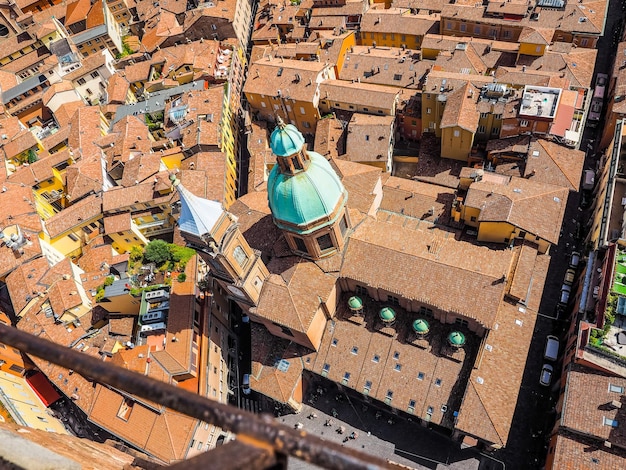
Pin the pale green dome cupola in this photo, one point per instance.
(305, 195)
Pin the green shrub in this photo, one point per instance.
(182, 277)
(108, 280)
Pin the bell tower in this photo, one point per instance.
(215, 235)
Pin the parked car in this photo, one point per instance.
(551, 351)
(245, 385)
(565, 291)
(574, 259)
(569, 277)
(546, 375)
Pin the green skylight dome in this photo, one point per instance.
(387, 314)
(456, 338)
(286, 139)
(355, 303)
(421, 326)
(306, 196)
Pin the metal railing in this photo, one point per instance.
(261, 441)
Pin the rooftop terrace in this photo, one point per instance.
(540, 101)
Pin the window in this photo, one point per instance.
(449, 25)
(300, 245)
(393, 300)
(616, 388)
(429, 110)
(429, 410)
(463, 27)
(346, 378)
(89, 92)
(302, 110)
(199, 445)
(360, 290)
(389, 397)
(16, 368)
(403, 38)
(507, 33)
(306, 124)
(73, 237)
(334, 342)
(610, 422)
(367, 387)
(584, 42)
(125, 409)
(213, 27)
(481, 129)
(396, 355)
(376, 358)
(438, 382)
(426, 311)
(354, 350)
(411, 407)
(397, 76)
(325, 370)
(497, 116)
(343, 225)
(398, 367)
(325, 242)
(420, 376)
(476, 29)
(484, 115)
(81, 81)
(457, 133)
(95, 74)
(384, 36)
(495, 131)
(523, 123)
(367, 138)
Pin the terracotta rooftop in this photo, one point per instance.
(373, 132)
(460, 109)
(587, 405)
(437, 268)
(398, 21)
(491, 395)
(360, 94)
(572, 450)
(74, 215)
(534, 207)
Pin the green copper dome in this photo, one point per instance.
(306, 196)
(286, 139)
(355, 303)
(421, 326)
(456, 338)
(387, 314)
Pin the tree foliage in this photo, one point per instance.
(157, 251)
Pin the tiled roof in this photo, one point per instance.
(119, 197)
(385, 66)
(74, 215)
(491, 395)
(398, 21)
(575, 452)
(77, 11)
(429, 266)
(417, 199)
(117, 89)
(534, 207)
(588, 403)
(265, 378)
(117, 223)
(360, 94)
(460, 109)
(293, 293)
(373, 132)
(266, 76)
(328, 137)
